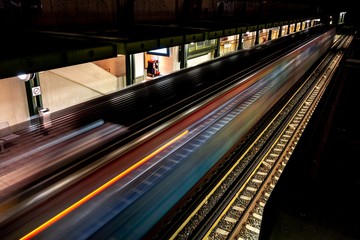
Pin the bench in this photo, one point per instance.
(6, 135)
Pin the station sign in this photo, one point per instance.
(36, 91)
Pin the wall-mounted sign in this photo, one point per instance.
(36, 91)
(160, 51)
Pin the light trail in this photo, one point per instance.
(97, 191)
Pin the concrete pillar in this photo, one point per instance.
(130, 71)
(241, 41)
(33, 94)
(270, 35)
(257, 37)
(280, 31)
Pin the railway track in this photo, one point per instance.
(233, 209)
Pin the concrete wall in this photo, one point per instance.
(14, 106)
(65, 87)
(154, 10)
(61, 88)
(80, 12)
(62, 12)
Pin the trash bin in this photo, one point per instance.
(45, 118)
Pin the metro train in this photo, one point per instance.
(279, 76)
(159, 101)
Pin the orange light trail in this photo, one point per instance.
(98, 190)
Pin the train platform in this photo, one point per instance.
(317, 195)
(44, 147)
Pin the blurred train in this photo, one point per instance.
(157, 102)
(278, 77)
